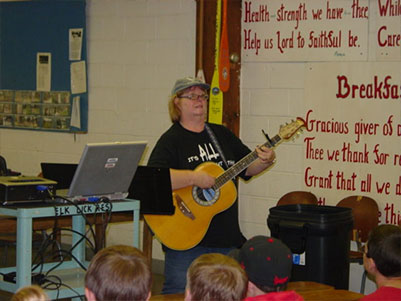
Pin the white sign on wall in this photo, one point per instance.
(387, 30)
(317, 30)
(353, 139)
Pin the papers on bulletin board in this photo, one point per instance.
(78, 77)
(75, 43)
(43, 71)
(76, 112)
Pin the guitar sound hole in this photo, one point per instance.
(205, 197)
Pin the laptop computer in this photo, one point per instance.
(105, 170)
(152, 187)
(62, 173)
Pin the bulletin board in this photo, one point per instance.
(43, 78)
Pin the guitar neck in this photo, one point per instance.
(242, 164)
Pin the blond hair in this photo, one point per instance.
(216, 276)
(30, 293)
(173, 110)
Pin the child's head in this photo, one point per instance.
(215, 277)
(267, 262)
(384, 248)
(30, 293)
(118, 273)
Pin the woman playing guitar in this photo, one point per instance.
(188, 147)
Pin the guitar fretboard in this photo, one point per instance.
(234, 170)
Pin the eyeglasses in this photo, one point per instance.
(195, 96)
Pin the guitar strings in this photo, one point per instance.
(235, 169)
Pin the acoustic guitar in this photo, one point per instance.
(195, 207)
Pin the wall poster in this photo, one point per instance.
(318, 30)
(35, 110)
(35, 68)
(352, 141)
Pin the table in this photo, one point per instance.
(306, 286)
(9, 225)
(69, 270)
(309, 290)
(333, 295)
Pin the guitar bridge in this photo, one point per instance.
(183, 207)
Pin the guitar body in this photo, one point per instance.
(189, 223)
(196, 207)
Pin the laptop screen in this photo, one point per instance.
(106, 170)
(62, 173)
(152, 187)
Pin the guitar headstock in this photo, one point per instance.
(288, 130)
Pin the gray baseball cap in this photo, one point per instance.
(187, 82)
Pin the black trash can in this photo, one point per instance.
(319, 237)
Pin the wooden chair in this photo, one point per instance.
(4, 171)
(297, 197)
(3, 166)
(365, 212)
(9, 238)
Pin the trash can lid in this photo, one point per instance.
(312, 213)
